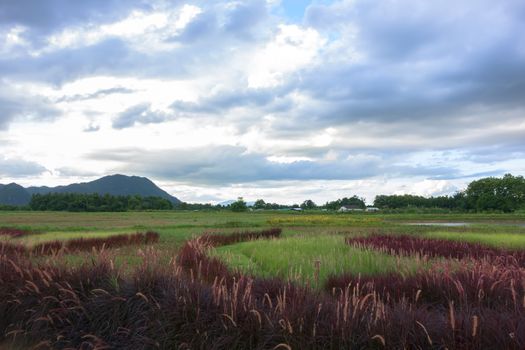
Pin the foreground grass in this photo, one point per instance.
(303, 258)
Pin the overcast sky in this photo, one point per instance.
(282, 100)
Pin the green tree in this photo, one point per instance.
(351, 201)
(308, 204)
(506, 194)
(239, 205)
(259, 204)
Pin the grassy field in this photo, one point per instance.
(102, 299)
(310, 259)
(177, 227)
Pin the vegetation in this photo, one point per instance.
(78, 244)
(189, 287)
(261, 204)
(498, 240)
(455, 202)
(13, 232)
(457, 249)
(506, 194)
(95, 202)
(350, 202)
(239, 205)
(309, 259)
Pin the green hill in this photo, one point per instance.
(117, 185)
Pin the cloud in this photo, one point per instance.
(358, 90)
(222, 165)
(19, 168)
(95, 95)
(432, 62)
(92, 128)
(17, 104)
(52, 15)
(76, 172)
(259, 101)
(141, 113)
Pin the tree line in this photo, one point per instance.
(506, 194)
(95, 202)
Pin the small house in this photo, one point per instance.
(346, 208)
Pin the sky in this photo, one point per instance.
(281, 100)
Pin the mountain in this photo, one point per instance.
(229, 202)
(13, 194)
(117, 185)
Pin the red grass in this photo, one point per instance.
(14, 232)
(80, 244)
(410, 245)
(215, 240)
(94, 306)
(475, 284)
(163, 306)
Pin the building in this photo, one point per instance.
(346, 208)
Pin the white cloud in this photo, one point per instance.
(146, 31)
(292, 49)
(417, 101)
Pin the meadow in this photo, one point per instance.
(263, 280)
(310, 259)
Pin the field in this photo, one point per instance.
(269, 280)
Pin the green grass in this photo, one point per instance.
(175, 227)
(295, 258)
(499, 240)
(64, 236)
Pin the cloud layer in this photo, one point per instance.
(238, 94)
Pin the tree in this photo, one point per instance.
(352, 201)
(506, 194)
(259, 204)
(308, 204)
(239, 205)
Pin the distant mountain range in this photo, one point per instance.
(117, 185)
(229, 202)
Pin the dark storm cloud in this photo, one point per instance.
(222, 165)
(19, 168)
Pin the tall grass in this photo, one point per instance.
(497, 240)
(162, 306)
(214, 239)
(498, 284)
(79, 244)
(14, 232)
(310, 259)
(410, 245)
